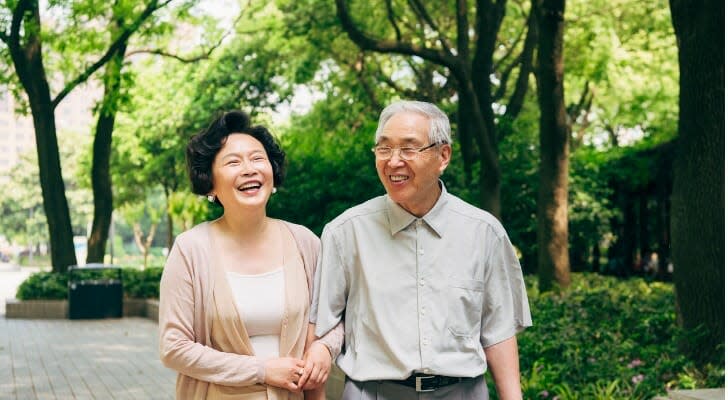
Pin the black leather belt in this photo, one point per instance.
(427, 383)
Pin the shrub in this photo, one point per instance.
(143, 284)
(43, 286)
(606, 338)
(53, 286)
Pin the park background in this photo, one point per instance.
(582, 125)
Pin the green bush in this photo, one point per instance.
(52, 286)
(142, 284)
(606, 338)
(43, 286)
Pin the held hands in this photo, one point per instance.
(284, 372)
(297, 375)
(317, 367)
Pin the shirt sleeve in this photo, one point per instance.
(505, 310)
(329, 286)
(177, 346)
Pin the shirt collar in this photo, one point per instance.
(399, 218)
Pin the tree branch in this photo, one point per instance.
(488, 21)
(505, 76)
(462, 29)
(123, 37)
(17, 21)
(388, 46)
(529, 47)
(199, 57)
(421, 11)
(360, 67)
(497, 64)
(163, 53)
(390, 16)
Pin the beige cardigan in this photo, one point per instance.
(200, 340)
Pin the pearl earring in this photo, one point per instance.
(211, 198)
(274, 190)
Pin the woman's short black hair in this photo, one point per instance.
(204, 146)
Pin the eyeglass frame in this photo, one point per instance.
(399, 149)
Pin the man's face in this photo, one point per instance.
(412, 184)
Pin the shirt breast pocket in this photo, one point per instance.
(465, 306)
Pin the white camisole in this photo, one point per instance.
(260, 303)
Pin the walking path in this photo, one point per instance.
(74, 359)
(10, 278)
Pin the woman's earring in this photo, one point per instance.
(211, 198)
(274, 190)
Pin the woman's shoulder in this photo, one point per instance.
(195, 236)
(300, 232)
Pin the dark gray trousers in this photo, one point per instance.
(468, 389)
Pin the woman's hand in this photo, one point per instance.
(317, 362)
(284, 372)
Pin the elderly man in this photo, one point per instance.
(429, 286)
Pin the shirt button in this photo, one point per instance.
(422, 282)
(422, 311)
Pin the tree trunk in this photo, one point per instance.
(644, 221)
(629, 233)
(489, 173)
(553, 227)
(698, 197)
(28, 63)
(170, 222)
(596, 255)
(465, 138)
(663, 222)
(144, 244)
(100, 175)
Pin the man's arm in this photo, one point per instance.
(503, 365)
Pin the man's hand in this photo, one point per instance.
(317, 361)
(284, 372)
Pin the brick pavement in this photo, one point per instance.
(72, 359)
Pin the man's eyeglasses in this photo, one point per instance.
(405, 153)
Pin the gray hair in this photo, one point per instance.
(439, 123)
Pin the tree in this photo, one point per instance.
(100, 174)
(698, 198)
(553, 222)
(144, 214)
(115, 84)
(24, 220)
(446, 38)
(24, 38)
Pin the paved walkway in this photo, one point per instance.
(10, 278)
(95, 359)
(65, 359)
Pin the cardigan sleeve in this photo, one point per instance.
(178, 341)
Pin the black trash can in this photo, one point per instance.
(95, 291)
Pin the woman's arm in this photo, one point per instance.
(178, 348)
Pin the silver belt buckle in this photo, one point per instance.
(418, 384)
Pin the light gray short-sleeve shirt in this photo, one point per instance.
(418, 294)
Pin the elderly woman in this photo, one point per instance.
(235, 293)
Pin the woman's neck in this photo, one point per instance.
(244, 227)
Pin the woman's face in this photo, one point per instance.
(242, 175)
